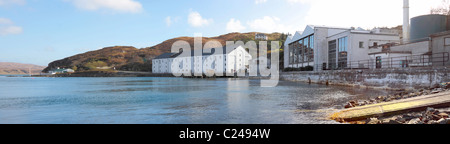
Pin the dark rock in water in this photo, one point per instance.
(432, 122)
(436, 91)
(444, 121)
(430, 110)
(435, 117)
(443, 115)
(409, 117)
(373, 121)
(348, 105)
(436, 86)
(415, 121)
(401, 119)
(391, 122)
(381, 98)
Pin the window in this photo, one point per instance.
(311, 46)
(306, 48)
(447, 41)
(299, 54)
(361, 44)
(342, 55)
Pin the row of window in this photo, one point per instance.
(302, 50)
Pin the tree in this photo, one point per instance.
(444, 9)
(75, 68)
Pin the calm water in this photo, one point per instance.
(168, 100)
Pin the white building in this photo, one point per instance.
(261, 36)
(396, 55)
(60, 71)
(326, 48)
(232, 60)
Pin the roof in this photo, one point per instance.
(260, 34)
(164, 56)
(330, 27)
(440, 34)
(225, 51)
(288, 40)
(309, 30)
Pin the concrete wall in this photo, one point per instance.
(357, 54)
(385, 78)
(321, 45)
(439, 46)
(237, 60)
(417, 48)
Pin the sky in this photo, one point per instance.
(41, 31)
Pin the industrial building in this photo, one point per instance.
(330, 48)
(425, 41)
(232, 60)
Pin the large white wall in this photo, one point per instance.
(236, 60)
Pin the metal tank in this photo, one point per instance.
(423, 26)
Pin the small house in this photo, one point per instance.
(60, 71)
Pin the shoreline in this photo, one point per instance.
(413, 107)
(382, 119)
(107, 74)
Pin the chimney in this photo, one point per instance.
(405, 21)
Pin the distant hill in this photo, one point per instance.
(132, 59)
(7, 68)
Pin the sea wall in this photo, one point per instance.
(108, 74)
(394, 78)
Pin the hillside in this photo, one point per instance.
(132, 59)
(7, 68)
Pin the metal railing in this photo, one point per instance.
(435, 59)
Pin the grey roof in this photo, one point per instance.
(260, 34)
(173, 55)
(164, 56)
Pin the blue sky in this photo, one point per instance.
(41, 31)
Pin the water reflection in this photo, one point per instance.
(168, 100)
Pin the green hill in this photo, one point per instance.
(129, 58)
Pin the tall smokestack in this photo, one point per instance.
(405, 21)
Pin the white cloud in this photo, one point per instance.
(12, 2)
(126, 6)
(196, 20)
(5, 21)
(301, 1)
(7, 27)
(171, 20)
(234, 26)
(168, 21)
(269, 24)
(260, 1)
(362, 13)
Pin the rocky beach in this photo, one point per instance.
(429, 116)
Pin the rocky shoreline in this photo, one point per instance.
(429, 116)
(400, 95)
